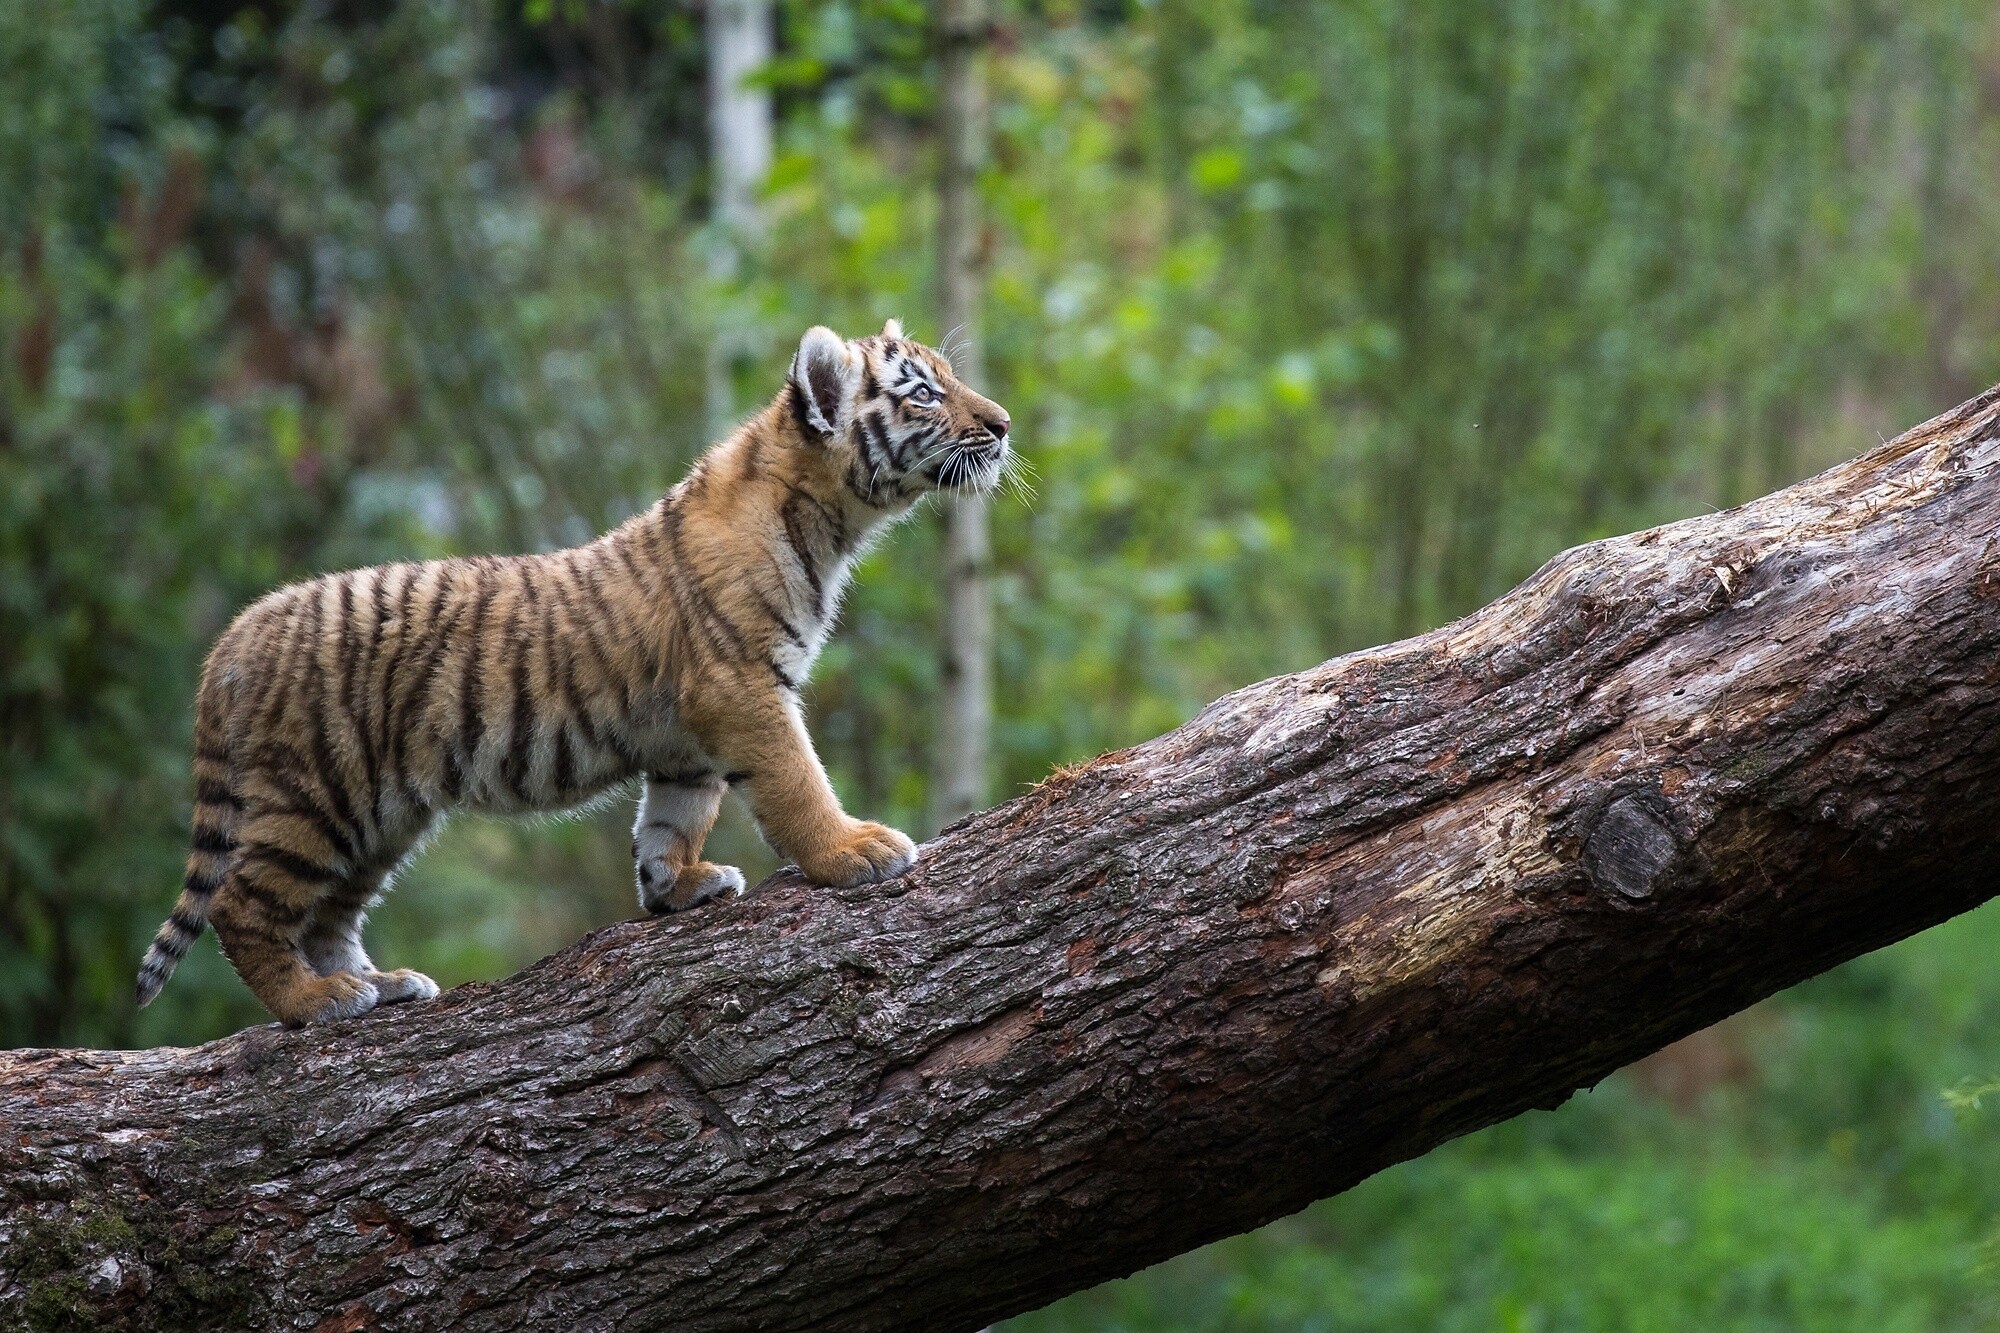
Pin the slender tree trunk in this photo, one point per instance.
(1173, 993)
(739, 129)
(965, 715)
(739, 45)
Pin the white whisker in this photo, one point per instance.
(953, 344)
(1016, 475)
(946, 447)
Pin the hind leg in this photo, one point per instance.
(332, 944)
(259, 914)
(331, 939)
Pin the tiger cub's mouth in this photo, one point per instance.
(973, 466)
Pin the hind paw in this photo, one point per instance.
(329, 999)
(403, 985)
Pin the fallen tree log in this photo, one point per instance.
(1169, 995)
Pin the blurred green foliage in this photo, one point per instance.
(1322, 322)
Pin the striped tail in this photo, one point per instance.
(215, 812)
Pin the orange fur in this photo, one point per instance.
(337, 719)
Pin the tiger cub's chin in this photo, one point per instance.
(338, 719)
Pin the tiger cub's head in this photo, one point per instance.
(894, 418)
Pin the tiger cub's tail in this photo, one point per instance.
(215, 812)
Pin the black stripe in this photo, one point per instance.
(557, 635)
(315, 614)
(378, 602)
(836, 526)
(562, 771)
(737, 778)
(324, 767)
(311, 680)
(592, 587)
(520, 755)
(271, 691)
(331, 780)
(174, 946)
(628, 758)
(687, 777)
(784, 680)
(343, 837)
(620, 550)
(653, 534)
(678, 566)
(518, 761)
(204, 882)
(471, 722)
(349, 645)
(354, 892)
(387, 742)
(345, 845)
(212, 840)
(427, 676)
(453, 776)
(875, 433)
(364, 674)
(353, 665)
(214, 791)
(275, 906)
(183, 923)
(837, 531)
(563, 666)
(587, 637)
(671, 531)
(290, 862)
(793, 514)
(254, 680)
(918, 444)
(777, 617)
(834, 520)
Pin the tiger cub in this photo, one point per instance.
(338, 719)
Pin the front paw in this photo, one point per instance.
(867, 853)
(661, 890)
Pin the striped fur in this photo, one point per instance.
(338, 719)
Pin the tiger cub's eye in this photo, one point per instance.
(923, 396)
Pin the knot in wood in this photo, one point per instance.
(1630, 851)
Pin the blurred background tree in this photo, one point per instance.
(1322, 321)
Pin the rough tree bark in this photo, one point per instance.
(1168, 995)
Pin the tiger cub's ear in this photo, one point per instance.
(822, 374)
(893, 329)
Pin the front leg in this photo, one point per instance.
(676, 811)
(757, 732)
